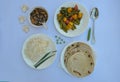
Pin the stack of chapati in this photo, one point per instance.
(79, 59)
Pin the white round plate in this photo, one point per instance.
(80, 28)
(63, 53)
(50, 47)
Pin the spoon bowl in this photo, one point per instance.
(94, 13)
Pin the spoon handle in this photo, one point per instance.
(45, 26)
(93, 32)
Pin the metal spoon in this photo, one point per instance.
(44, 25)
(94, 15)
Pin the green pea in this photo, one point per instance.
(56, 36)
(64, 42)
(57, 42)
(60, 42)
(61, 39)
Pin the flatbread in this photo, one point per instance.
(79, 59)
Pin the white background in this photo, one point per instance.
(107, 47)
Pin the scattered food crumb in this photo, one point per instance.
(24, 8)
(26, 28)
(21, 19)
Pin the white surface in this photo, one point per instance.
(107, 46)
(51, 47)
(79, 28)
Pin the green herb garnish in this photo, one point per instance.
(44, 58)
(89, 32)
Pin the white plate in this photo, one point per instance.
(80, 28)
(63, 53)
(50, 47)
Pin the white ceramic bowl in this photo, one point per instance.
(30, 19)
(63, 53)
(83, 23)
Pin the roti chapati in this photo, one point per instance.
(79, 59)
